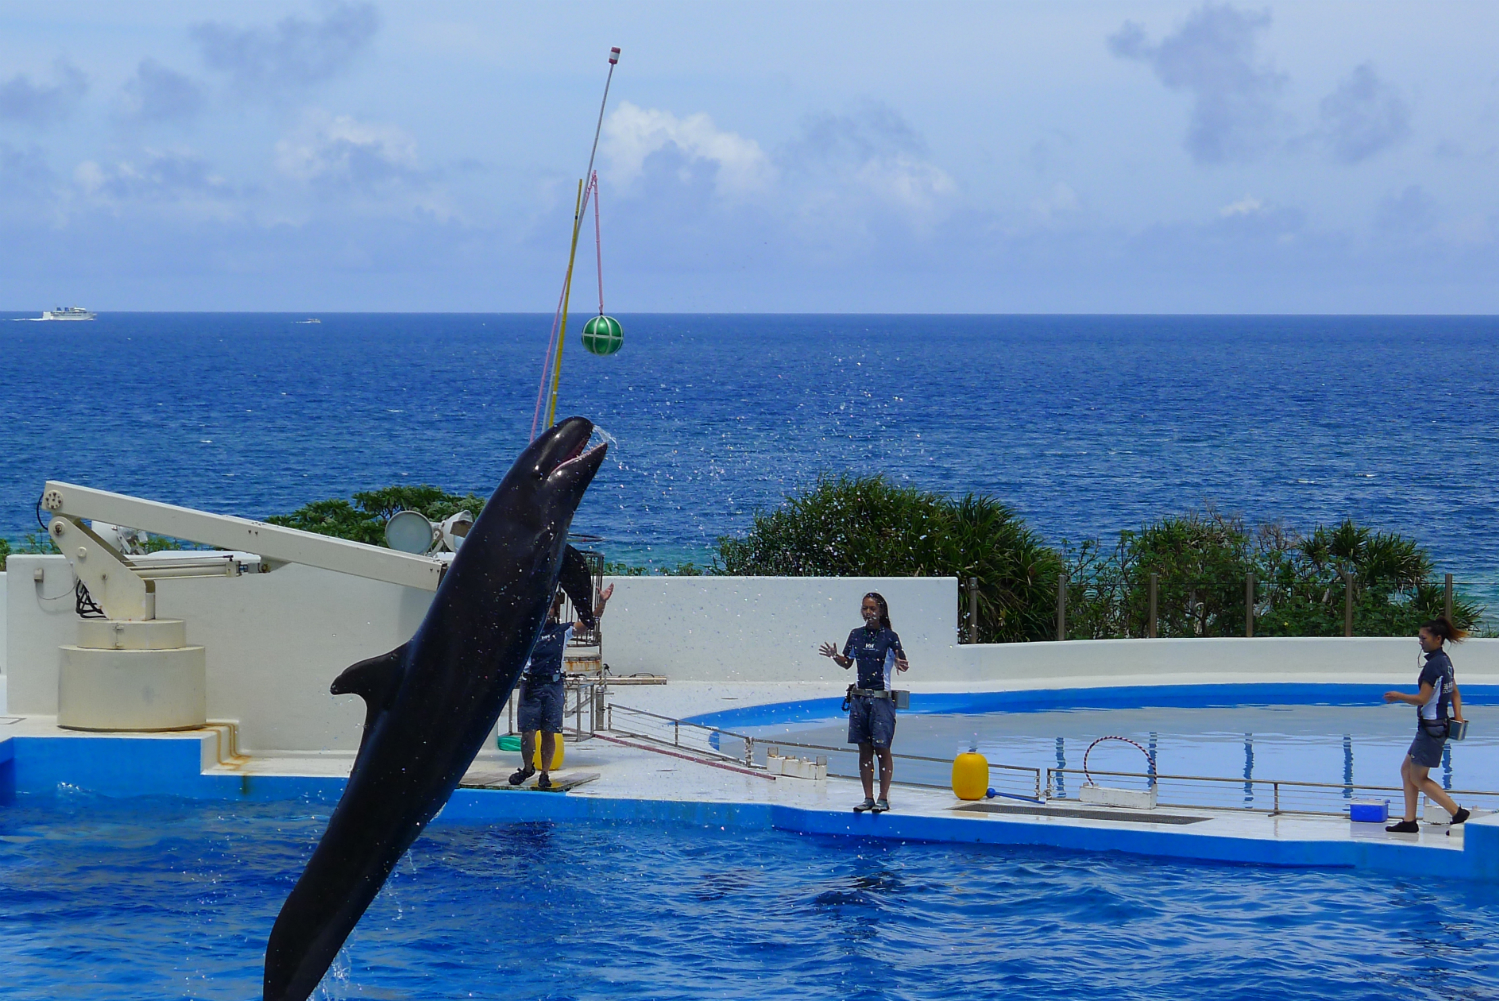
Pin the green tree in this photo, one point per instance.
(869, 527)
(1203, 561)
(364, 519)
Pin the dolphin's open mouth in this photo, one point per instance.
(568, 449)
(580, 457)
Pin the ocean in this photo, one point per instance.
(1083, 424)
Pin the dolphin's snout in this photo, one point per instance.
(559, 445)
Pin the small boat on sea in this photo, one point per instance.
(310, 319)
(66, 313)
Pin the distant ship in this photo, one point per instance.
(310, 320)
(67, 313)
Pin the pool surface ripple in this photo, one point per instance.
(166, 898)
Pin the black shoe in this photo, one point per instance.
(545, 782)
(1460, 816)
(523, 774)
(881, 805)
(1406, 827)
(868, 804)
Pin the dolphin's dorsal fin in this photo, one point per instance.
(374, 680)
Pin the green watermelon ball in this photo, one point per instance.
(603, 335)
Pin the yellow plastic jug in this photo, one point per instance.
(556, 753)
(970, 775)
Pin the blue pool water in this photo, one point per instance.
(158, 899)
(1358, 745)
(1086, 425)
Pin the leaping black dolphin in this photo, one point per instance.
(432, 701)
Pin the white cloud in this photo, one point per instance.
(912, 183)
(1060, 201)
(344, 152)
(179, 182)
(1363, 116)
(159, 94)
(294, 53)
(633, 134)
(1213, 57)
(1246, 206)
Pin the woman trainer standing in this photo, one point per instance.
(871, 707)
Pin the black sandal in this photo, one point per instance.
(1404, 827)
(545, 782)
(522, 774)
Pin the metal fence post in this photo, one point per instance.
(1448, 603)
(973, 609)
(1249, 607)
(1347, 603)
(1155, 594)
(1061, 606)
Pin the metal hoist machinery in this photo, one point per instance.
(130, 670)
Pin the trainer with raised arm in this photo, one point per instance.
(543, 689)
(876, 648)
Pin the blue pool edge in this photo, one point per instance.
(1207, 696)
(171, 766)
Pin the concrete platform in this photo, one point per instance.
(631, 781)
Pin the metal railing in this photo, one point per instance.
(1271, 796)
(727, 745)
(1274, 797)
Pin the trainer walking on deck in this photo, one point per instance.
(1438, 692)
(870, 703)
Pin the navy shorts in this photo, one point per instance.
(1426, 749)
(540, 707)
(871, 721)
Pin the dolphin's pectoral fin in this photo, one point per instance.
(374, 680)
(578, 583)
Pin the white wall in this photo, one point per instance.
(1105, 663)
(755, 629)
(39, 619)
(274, 643)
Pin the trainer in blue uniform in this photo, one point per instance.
(542, 692)
(1438, 693)
(871, 708)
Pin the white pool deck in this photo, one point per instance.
(640, 782)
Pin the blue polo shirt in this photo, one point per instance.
(1437, 672)
(876, 651)
(545, 665)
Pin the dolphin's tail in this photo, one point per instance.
(340, 881)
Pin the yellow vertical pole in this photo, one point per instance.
(567, 288)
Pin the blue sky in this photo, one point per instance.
(934, 157)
